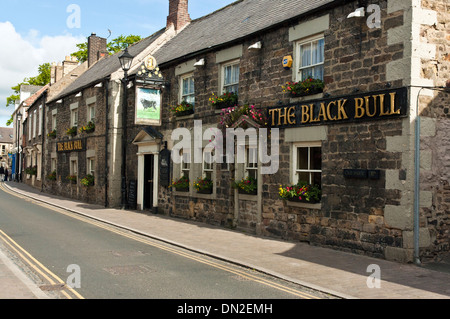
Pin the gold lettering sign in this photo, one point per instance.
(361, 107)
(70, 146)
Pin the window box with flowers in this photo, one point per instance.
(72, 131)
(52, 176)
(88, 180)
(301, 192)
(32, 170)
(89, 128)
(52, 134)
(204, 185)
(182, 109)
(306, 87)
(228, 99)
(72, 179)
(248, 186)
(181, 185)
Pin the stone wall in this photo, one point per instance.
(94, 146)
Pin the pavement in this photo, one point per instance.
(338, 273)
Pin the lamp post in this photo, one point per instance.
(18, 120)
(125, 61)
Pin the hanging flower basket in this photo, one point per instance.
(306, 87)
(225, 100)
(52, 176)
(231, 115)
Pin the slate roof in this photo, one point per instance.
(235, 21)
(6, 135)
(104, 67)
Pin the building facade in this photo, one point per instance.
(354, 138)
(354, 160)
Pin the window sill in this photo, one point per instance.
(185, 117)
(253, 198)
(306, 98)
(304, 205)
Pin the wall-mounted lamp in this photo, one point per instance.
(358, 13)
(256, 46)
(200, 62)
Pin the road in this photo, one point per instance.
(72, 256)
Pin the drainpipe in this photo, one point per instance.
(417, 182)
(44, 104)
(105, 83)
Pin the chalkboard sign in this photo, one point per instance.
(164, 167)
(132, 195)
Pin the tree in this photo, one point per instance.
(116, 45)
(41, 79)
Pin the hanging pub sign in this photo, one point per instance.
(71, 146)
(361, 107)
(148, 106)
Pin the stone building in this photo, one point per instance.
(84, 155)
(6, 147)
(354, 138)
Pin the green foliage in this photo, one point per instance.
(43, 78)
(116, 45)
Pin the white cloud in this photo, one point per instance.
(22, 55)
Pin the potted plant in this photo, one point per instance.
(181, 185)
(89, 128)
(182, 109)
(204, 185)
(72, 131)
(231, 115)
(52, 176)
(301, 192)
(72, 178)
(52, 134)
(88, 180)
(246, 185)
(308, 86)
(225, 100)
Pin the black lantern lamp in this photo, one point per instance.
(125, 60)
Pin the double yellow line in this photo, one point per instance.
(167, 248)
(43, 271)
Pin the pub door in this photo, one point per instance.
(148, 181)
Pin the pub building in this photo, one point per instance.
(354, 114)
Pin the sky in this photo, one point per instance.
(36, 32)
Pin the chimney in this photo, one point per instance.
(69, 64)
(96, 49)
(178, 14)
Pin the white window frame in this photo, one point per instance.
(91, 110)
(208, 167)
(40, 120)
(90, 166)
(298, 55)
(251, 166)
(53, 164)
(223, 86)
(184, 96)
(54, 122)
(295, 169)
(185, 165)
(74, 117)
(34, 123)
(74, 167)
(30, 119)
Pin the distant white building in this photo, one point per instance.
(6, 146)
